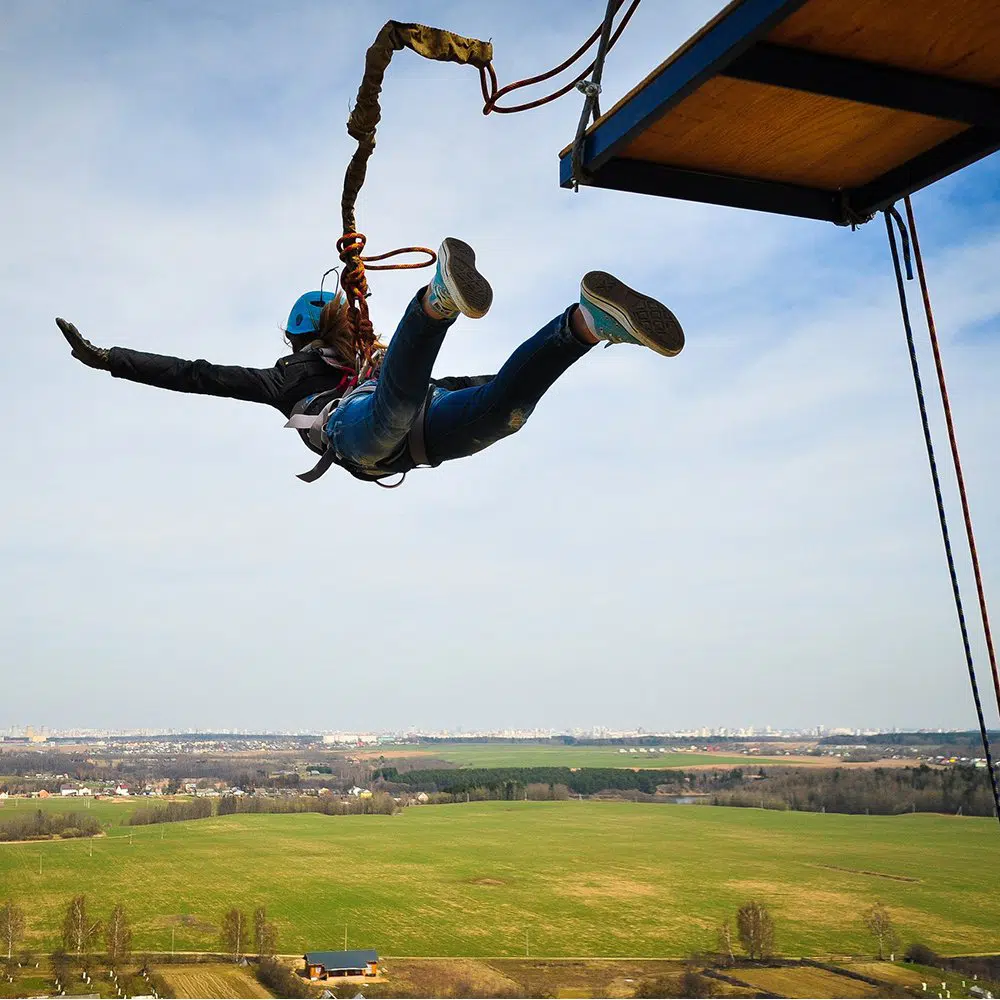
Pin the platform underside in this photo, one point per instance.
(827, 109)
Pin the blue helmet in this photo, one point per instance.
(304, 317)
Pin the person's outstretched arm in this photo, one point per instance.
(255, 385)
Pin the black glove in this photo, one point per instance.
(84, 350)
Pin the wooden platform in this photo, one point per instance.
(827, 109)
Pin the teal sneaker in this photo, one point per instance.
(457, 287)
(622, 315)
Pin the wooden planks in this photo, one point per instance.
(959, 39)
(754, 130)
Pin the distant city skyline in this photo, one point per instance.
(42, 733)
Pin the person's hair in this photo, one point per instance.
(335, 331)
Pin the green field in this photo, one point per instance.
(538, 755)
(109, 812)
(581, 878)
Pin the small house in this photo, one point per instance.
(331, 964)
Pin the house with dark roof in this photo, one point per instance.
(328, 964)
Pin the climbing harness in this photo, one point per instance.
(892, 216)
(311, 415)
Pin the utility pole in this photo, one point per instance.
(171, 941)
(345, 937)
(527, 952)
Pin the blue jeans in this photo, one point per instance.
(369, 431)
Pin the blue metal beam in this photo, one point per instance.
(642, 177)
(734, 33)
(926, 168)
(867, 83)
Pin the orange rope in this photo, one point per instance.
(355, 286)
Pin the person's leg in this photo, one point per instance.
(465, 421)
(369, 428)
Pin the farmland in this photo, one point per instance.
(211, 980)
(542, 755)
(109, 812)
(579, 879)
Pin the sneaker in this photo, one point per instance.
(457, 287)
(622, 315)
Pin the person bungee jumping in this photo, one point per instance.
(392, 416)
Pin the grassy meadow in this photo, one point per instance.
(584, 879)
(541, 755)
(109, 812)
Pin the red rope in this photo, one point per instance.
(946, 403)
(491, 94)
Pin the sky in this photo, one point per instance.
(742, 535)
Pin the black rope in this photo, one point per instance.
(890, 215)
(592, 89)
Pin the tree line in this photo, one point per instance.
(967, 739)
(511, 782)
(81, 931)
(171, 812)
(40, 825)
(380, 803)
(878, 791)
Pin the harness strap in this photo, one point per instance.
(311, 415)
(326, 460)
(416, 440)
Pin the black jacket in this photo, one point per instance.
(290, 380)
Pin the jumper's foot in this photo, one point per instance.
(621, 315)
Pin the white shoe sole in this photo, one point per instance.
(643, 317)
(470, 291)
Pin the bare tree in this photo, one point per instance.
(726, 940)
(756, 929)
(235, 933)
(118, 936)
(265, 934)
(11, 927)
(78, 929)
(878, 920)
